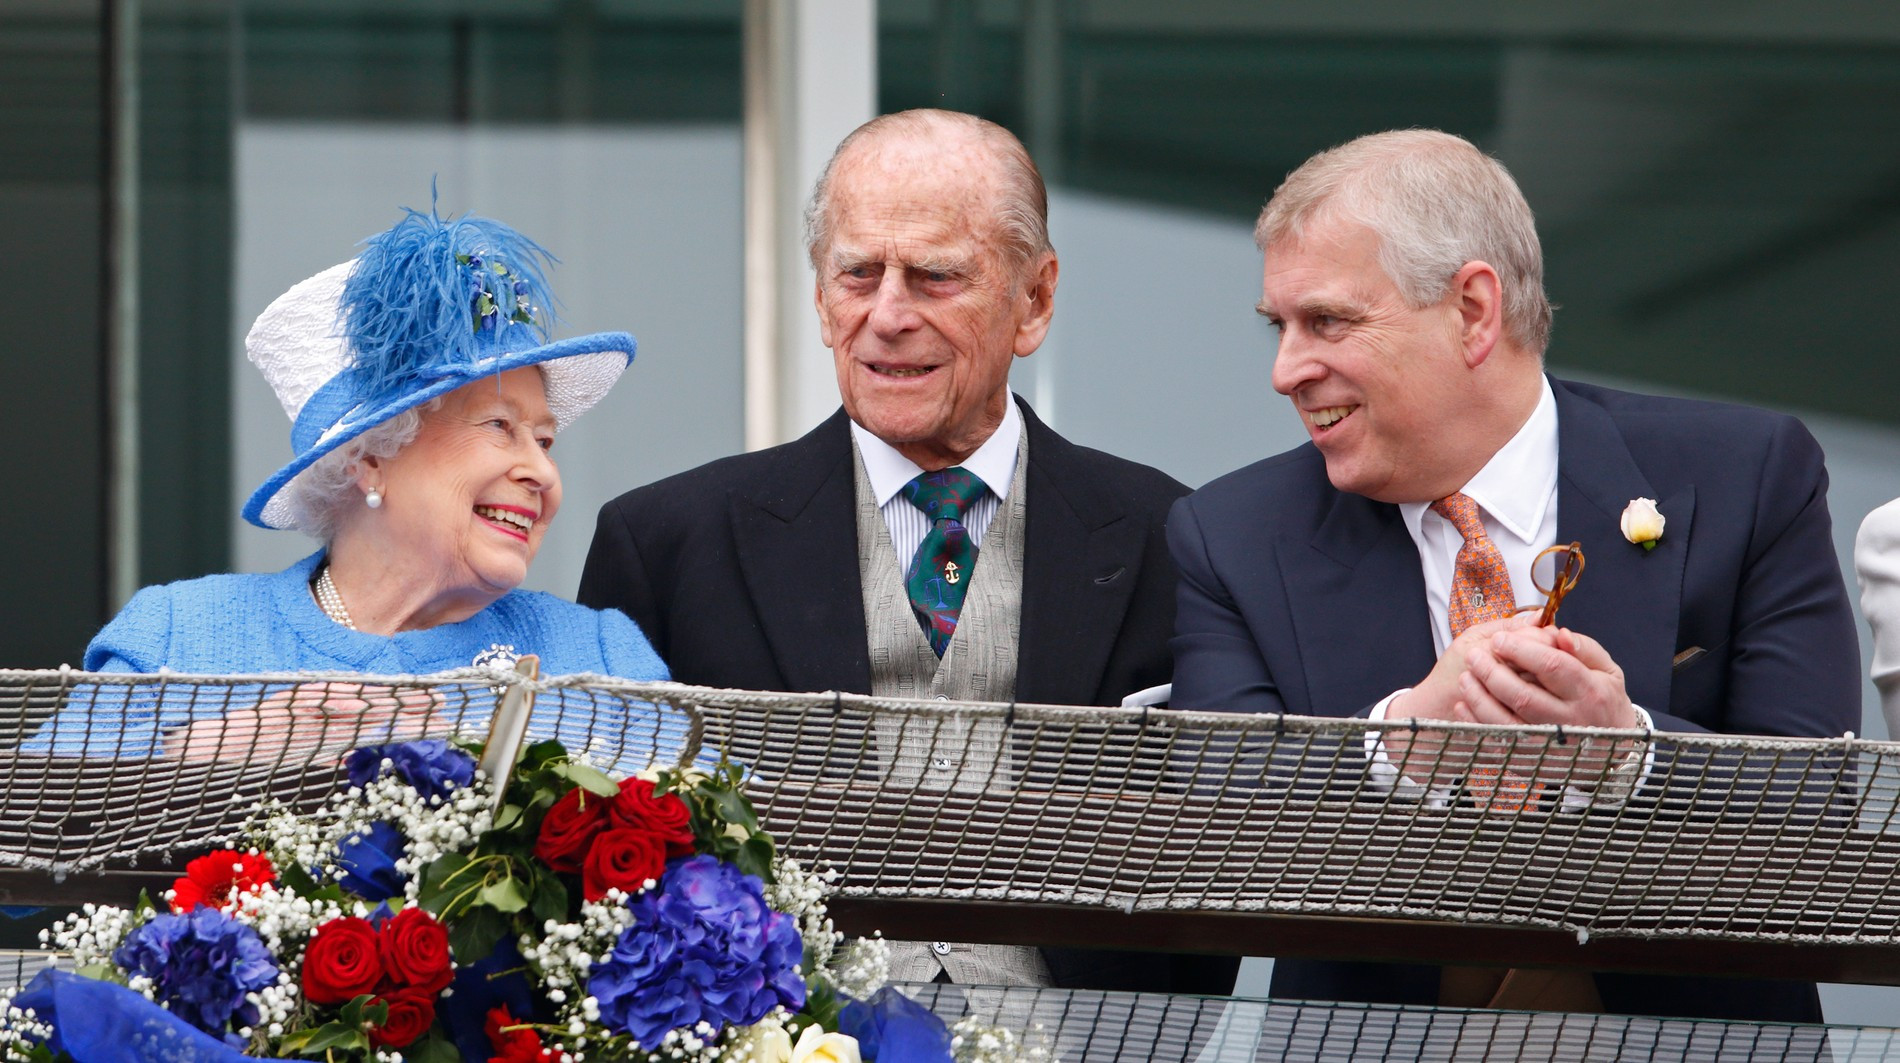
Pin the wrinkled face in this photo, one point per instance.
(1377, 383)
(469, 501)
(921, 303)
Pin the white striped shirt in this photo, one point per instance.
(994, 463)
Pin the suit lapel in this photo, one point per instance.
(1357, 595)
(1628, 598)
(1081, 564)
(796, 531)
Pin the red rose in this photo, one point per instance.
(341, 963)
(623, 859)
(415, 951)
(410, 1016)
(639, 808)
(511, 1046)
(568, 828)
(216, 877)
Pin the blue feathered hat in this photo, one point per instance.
(429, 306)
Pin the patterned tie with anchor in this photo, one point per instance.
(946, 559)
(1480, 586)
(1481, 591)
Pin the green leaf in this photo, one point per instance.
(102, 972)
(542, 753)
(732, 807)
(549, 900)
(821, 1004)
(586, 778)
(364, 1009)
(297, 880)
(504, 895)
(318, 1040)
(433, 1049)
(508, 816)
(441, 882)
(474, 935)
(755, 857)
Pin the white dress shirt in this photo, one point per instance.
(994, 463)
(1516, 493)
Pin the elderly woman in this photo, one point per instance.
(425, 398)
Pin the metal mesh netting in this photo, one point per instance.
(1603, 832)
(1086, 1026)
(1083, 1026)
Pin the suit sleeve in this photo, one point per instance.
(1877, 562)
(1794, 654)
(1217, 663)
(615, 576)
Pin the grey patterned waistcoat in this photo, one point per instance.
(978, 665)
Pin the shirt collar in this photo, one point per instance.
(994, 462)
(1516, 486)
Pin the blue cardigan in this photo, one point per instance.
(270, 623)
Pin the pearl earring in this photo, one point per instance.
(374, 499)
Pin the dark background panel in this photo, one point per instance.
(52, 588)
(1718, 192)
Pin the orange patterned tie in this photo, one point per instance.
(1481, 591)
(1480, 586)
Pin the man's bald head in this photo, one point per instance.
(1020, 203)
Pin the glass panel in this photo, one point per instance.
(609, 131)
(51, 208)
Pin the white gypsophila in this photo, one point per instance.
(564, 954)
(93, 935)
(801, 894)
(20, 1030)
(284, 921)
(861, 967)
(974, 1041)
(430, 827)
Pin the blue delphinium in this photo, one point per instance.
(202, 964)
(430, 766)
(366, 862)
(703, 947)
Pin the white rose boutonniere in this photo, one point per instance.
(1643, 522)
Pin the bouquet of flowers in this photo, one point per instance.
(422, 915)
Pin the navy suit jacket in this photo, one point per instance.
(744, 573)
(1297, 597)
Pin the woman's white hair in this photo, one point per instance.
(318, 496)
(1436, 203)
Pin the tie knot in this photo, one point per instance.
(1462, 512)
(945, 495)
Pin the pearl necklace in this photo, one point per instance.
(330, 601)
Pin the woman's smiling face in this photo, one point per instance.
(469, 501)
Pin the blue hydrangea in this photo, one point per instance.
(202, 964)
(703, 947)
(430, 766)
(366, 862)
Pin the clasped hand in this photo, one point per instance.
(304, 719)
(1512, 672)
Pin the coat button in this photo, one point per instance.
(941, 948)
